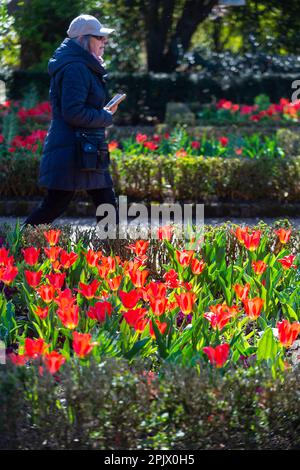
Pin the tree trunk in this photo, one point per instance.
(162, 51)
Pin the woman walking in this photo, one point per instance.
(75, 154)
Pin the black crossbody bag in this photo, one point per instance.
(91, 151)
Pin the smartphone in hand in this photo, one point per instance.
(118, 98)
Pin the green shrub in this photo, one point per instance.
(154, 177)
(110, 405)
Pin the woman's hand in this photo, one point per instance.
(113, 109)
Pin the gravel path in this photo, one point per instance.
(88, 222)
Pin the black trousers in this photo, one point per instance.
(56, 202)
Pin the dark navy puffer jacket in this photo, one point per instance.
(77, 95)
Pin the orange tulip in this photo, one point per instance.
(82, 345)
(184, 257)
(259, 267)
(253, 307)
(158, 306)
(114, 283)
(88, 290)
(42, 313)
(242, 291)
(69, 316)
(52, 253)
(197, 266)
(283, 235)
(52, 236)
(186, 301)
(65, 299)
(139, 277)
(171, 278)
(251, 240)
(46, 292)
(287, 332)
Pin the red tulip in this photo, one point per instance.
(67, 259)
(100, 310)
(129, 299)
(46, 292)
(5, 259)
(184, 257)
(219, 355)
(197, 266)
(33, 278)
(52, 253)
(82, 344)
(139, 277)
(113, 145)
(140, 138)
(136, 318)
(103, 271)
(161, 327)
(65, 299)
(186, 301)
(155, 290)
(242, 291)
(52, 236)
(223, 141)
(35, 347)
(283, 235)
(140, 247)
(251, 240)
(287, 262)
(88, 290)
(8, 274)
(253, 307)
(287, 332)
(31, 255)
(240, 232)
(54, 361)
(42, 313)
(165, 232)
(220, 315)
(171, 278)
(259, 267)
(18, 359)
(69, 316)
(114, 283)
(56, 280)
(158, 306)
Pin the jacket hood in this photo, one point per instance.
(69, 51)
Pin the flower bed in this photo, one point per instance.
(204, 303)
(172, 346)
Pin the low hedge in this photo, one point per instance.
(148, 93)
(111, 405)
(194, 178)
